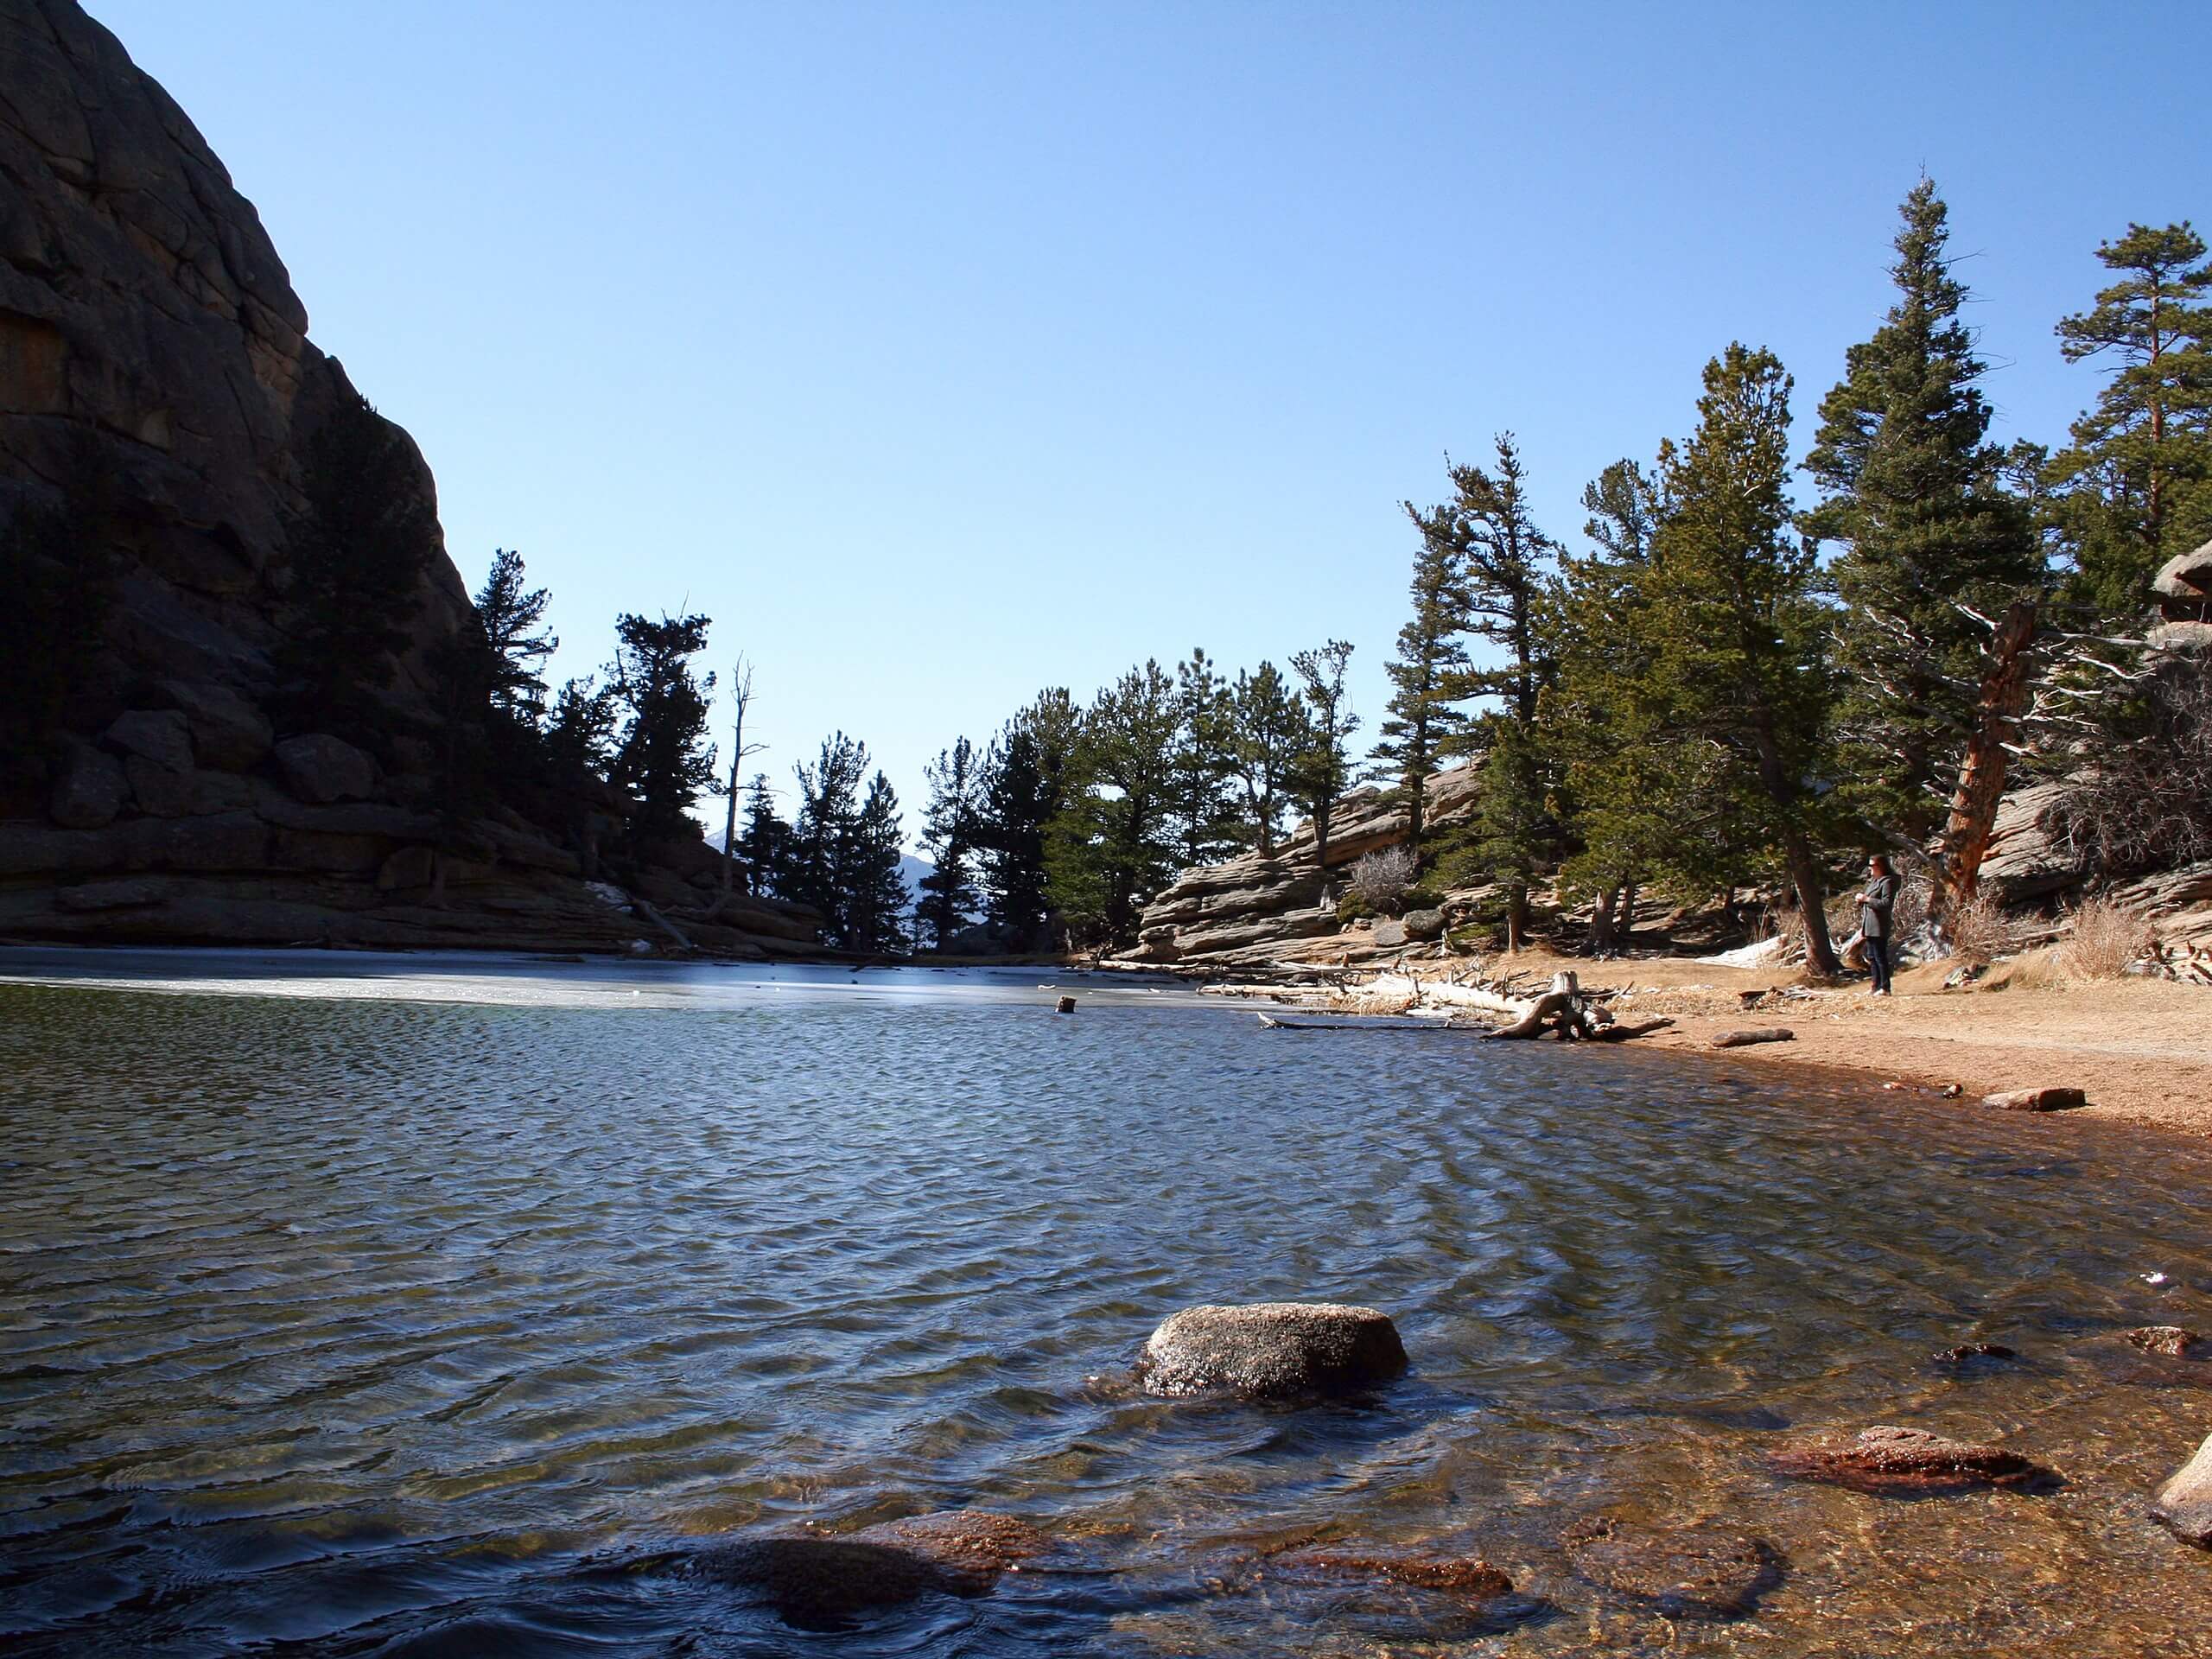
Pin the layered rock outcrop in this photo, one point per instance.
(1255, 910)
(158, 388)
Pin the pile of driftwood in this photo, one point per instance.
(1518, 1005)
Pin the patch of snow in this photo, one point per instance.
(1757, 954)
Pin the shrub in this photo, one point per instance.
(2107, 940)
(1381, 878)
(1978, 931)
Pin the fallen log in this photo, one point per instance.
(1756, 1034)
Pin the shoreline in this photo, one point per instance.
(2141, 1049)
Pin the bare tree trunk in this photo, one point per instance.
(1805, 876)
(1629, 893)
(1981, 774)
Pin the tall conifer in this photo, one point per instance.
(1915, 497)
(1429, 675)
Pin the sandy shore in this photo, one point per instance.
(2142, 1049)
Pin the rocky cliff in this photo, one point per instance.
(1256, 911)
(158, 393)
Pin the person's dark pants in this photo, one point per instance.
(1877, 958)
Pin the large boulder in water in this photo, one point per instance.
(1906, 1463)
(2185, 1503)
(1272, 1351)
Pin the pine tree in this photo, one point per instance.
(663, 760)
(510, 616)
(1503, 557)
(1114, 844)
(952, 829)
(1916, 497)
(2135, 487)
(1736, 674)
(825, 835)
(1430, 672)
(1202, 763)
(1323, 772)
(579, 730)
(1270, 732)
(765, 845)
(875, 897)
(359, 555)
(1027, 776)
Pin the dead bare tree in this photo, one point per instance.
(740, 696)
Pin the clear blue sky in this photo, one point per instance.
(943, 352)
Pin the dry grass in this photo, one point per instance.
(2106, 940)
(1978, 931)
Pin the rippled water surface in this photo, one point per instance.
(352, 1309)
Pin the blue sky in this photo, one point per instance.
(940, 352)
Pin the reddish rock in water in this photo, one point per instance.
(2171, 1340)
(974, 1544)
(1699, 1571)
(1272, 1351)
(820, 1582)
(1906, 1462)
(1469, 1577)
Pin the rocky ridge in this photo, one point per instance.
(150, 340)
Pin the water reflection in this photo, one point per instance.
(428, 1316)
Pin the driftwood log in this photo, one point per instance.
(1755, 1034)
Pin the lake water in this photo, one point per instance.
(360, 1307)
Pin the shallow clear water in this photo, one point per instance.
(354, 1309)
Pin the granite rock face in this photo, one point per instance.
(1243, 913)
(157, 378)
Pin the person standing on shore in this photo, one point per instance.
(1875, 905)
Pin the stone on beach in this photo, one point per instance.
(2171, 1340)
(1272, 1351)
(2185, 1503)
(2036, 1100)
(1699, 1571)
(1905, 1462)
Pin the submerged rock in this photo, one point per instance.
(2171, 1340)
(1272, 1351)
(1467, 1576)
(1699, 1571)
(821, 1582)
(2185, 1503)
(1967, 1352)
(1891, 1461)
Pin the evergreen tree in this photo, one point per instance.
(358, 559)
(1030, 776)
(1430, 673)
(876, 899)
(1202, 763)
(1737, 673)
(1503, 557)
(1916, 497)
(2135, 487)
(663, 760)
(1323, 771)
(952, 830)
(1113, 846)
(765, 845)
(510, 616)
(826, 863)
(1269, 733)
(579, 730)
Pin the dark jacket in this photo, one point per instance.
(1874, 913)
